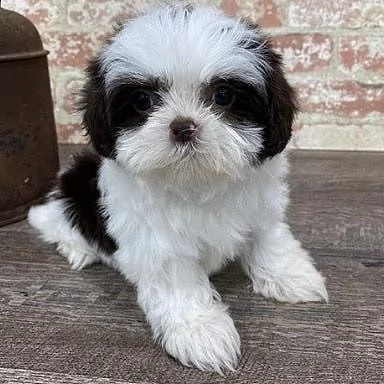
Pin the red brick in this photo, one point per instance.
(71, 93)
(340, 137)
(359, 53)
(326, 136)
(43, 13)
(99, 12)
(263, 12)
(71, 133)
(344, 13)
(70, 50)
(271, 16)
(230, 6)
(304, 52)
(340, 98)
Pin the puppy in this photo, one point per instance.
(189, 113)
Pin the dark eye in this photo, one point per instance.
(223, 96)
(142, 101)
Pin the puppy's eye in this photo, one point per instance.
(142, 101)
(223, 96)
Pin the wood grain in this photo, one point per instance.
(61, 326)
(18, 376)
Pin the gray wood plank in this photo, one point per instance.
(338, 200)
(92, 326)
(61, 326)
(20, 376)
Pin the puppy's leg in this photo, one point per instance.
(54, 227)
(187, 316)
(281, 269)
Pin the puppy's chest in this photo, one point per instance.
(210, 223)
(201, 229)
(221, 223)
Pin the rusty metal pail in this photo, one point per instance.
(28, 142)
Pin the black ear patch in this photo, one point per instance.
(94, 106)
(280, 105)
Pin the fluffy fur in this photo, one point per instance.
(189, 113)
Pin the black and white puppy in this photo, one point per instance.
(189, 112)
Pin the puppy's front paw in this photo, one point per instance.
(209, 341)
(300, 282)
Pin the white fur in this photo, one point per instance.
(179, 216)
(54, 227)
(176, 52)
(170, 242)
(185, 57)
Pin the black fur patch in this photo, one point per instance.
(249, 108)
(78, 186)
(277, 109)
(122, 114)
(94, 105)
(282, 107)
(105, 116)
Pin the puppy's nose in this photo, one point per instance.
(182, 130)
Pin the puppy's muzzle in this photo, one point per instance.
(183, 130)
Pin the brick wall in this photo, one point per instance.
(333, 52)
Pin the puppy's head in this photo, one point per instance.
(188, 90)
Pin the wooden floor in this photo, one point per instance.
(61, 326)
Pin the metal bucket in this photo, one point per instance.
(28, 141)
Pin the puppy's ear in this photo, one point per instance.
(281, 103)
(95, 112)
(282, 106)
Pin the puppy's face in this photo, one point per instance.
(190, 91)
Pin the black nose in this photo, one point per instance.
(182, 130)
